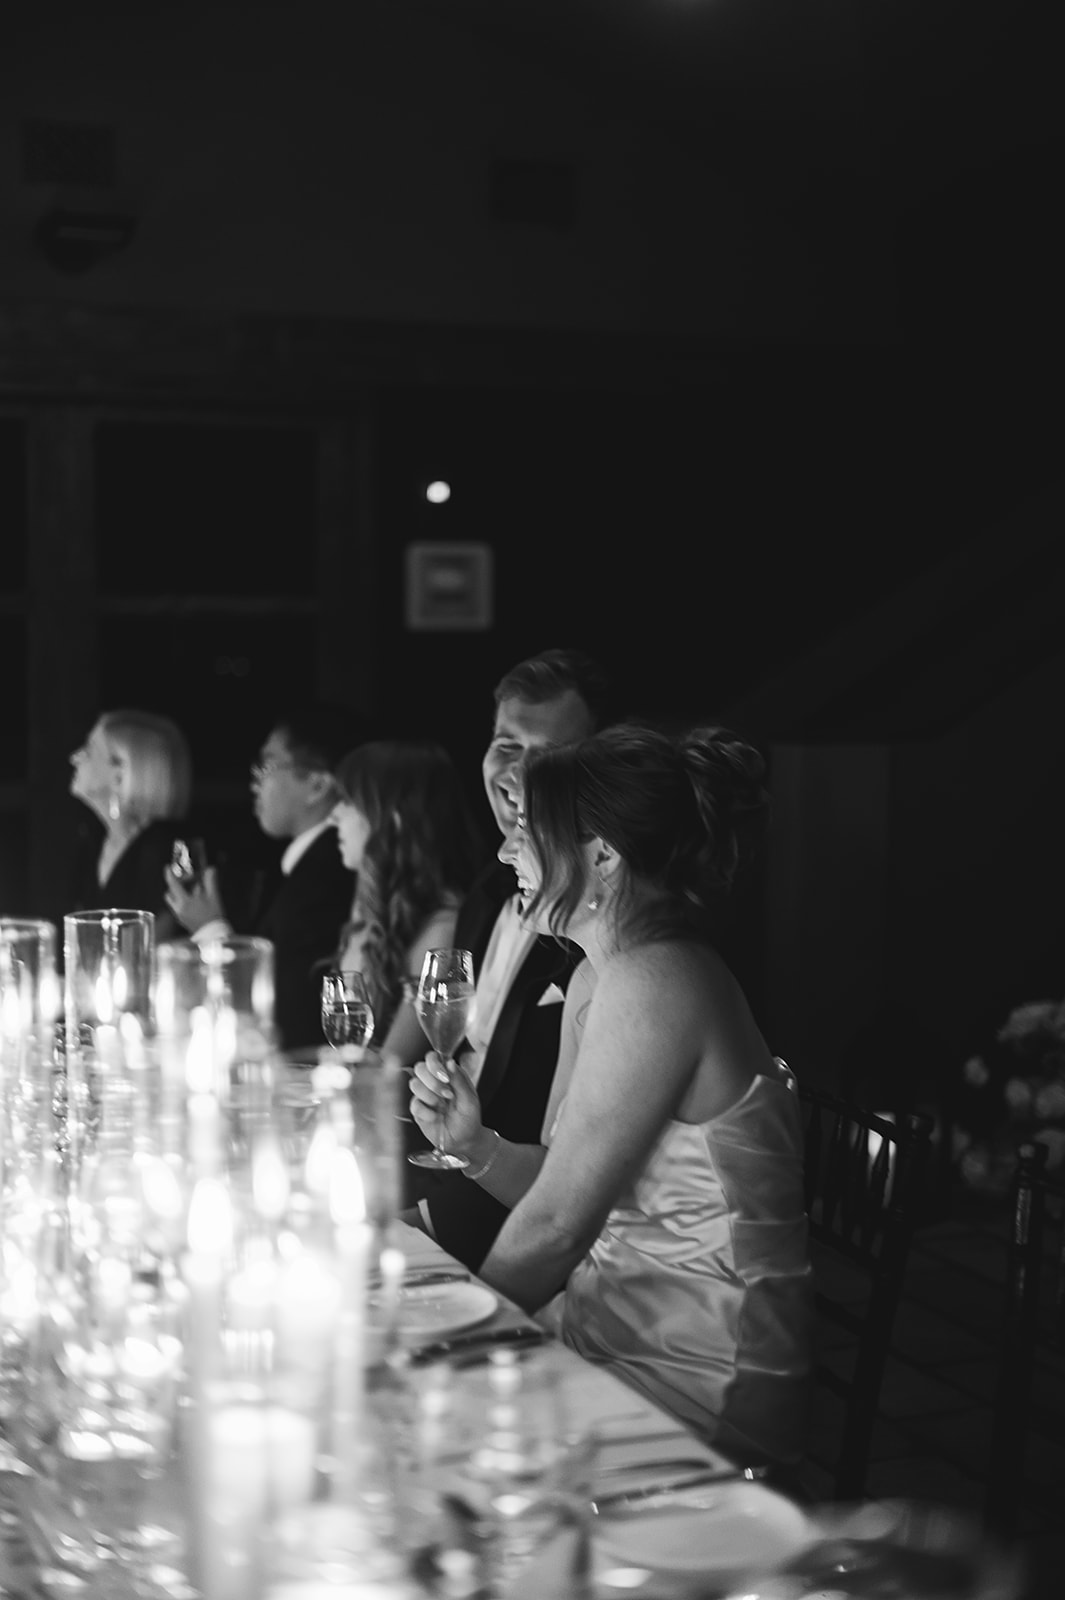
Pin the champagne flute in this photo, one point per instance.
(443, 1001)
(347, 1015)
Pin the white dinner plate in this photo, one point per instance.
(715, 1531)
(432, 1310)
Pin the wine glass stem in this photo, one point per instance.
(445, 1062)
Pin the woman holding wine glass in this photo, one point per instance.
(660, 1227)
(405, 828)
(443, 1002)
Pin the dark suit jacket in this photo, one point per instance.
(303, 913)
(515, 1080)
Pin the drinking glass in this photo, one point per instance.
(99, 1423)
(214, 1017)
(108, 963)
(347, 1015)
(276, 1265)
(28, 1143)
(495, 1470)
(443, 1002)
(116, 1369)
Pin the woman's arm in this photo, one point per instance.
(641, 1046)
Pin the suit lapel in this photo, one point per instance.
(545, 963)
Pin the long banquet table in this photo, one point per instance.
(718, 1539)
(636, 1444)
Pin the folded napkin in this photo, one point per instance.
(418, 1249)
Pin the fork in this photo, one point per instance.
(643, 1493)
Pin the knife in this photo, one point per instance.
(416, 1277)
(618, 1499)
(478, 1344)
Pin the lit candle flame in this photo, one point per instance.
(347, 1197)
(269, 1182)
(120, 988)
(210, 1224)
(199, 1058)
(320, 1158)
(104, 996)
(11, 1012)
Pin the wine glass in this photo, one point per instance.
(347, 1015)
(442, 1003)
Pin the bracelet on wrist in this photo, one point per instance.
(481, 1171)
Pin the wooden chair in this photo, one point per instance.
(864, 1182)
(1033, 1328)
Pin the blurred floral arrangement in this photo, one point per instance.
(1013, 1092)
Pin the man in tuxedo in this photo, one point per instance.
(521, 977)
(302, 903)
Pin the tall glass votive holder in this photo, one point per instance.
(28, 1005)
(213, 1010)
(108, 966)
(226, 984)
(29, 1002)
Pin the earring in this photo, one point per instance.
(593, 904)
(114, 808)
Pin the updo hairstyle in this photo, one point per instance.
(678, 809)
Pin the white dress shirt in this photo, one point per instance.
(508, 945)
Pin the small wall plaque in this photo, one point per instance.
(449, 587)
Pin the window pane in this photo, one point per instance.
(222, 679)
(14, 864)
(12, 505)
(14, 746)
(191, 508)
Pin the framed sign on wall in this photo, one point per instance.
(449, 587)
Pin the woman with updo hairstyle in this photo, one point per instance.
(660, 1227)
(134, 773)
(405, 828)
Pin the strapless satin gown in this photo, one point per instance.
(698, 1290)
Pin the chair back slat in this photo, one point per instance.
(1033, 1326)
(863, 1181)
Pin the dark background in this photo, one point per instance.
(736, 329)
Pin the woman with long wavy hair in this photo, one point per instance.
(405, 828)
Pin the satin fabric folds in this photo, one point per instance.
(698, 1290)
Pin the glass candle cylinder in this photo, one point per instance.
(213, 1011)
(29, 997)
(108, 960)
(28, 1145)
(223, 989)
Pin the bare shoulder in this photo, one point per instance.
(681, 1000)
(674, 967)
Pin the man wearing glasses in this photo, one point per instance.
(302, 907)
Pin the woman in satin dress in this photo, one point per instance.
(660, 1226)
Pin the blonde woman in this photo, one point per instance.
(134, 773)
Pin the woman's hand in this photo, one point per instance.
(445, 1108)
(194, 903)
